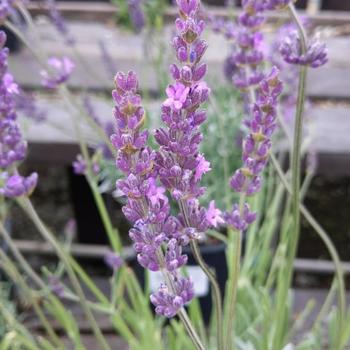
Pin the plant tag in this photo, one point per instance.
(200, 280)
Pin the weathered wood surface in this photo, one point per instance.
(92, 251)
(105, 12)
(55, 140)
(128, 52)
(98, 252)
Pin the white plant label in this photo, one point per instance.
(199, 279)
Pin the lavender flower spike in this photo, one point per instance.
(12, 146)
(244, 62)
(179, 163)
(256, 148)
(147, 205)
(136, 14)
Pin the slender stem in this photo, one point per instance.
(13, 323)
(297, 141)
(216, 292)
(285, 276)
(88, 68)
(113, 235)
(326, 306)
(182, 312)
(215, 287)
(19, 257)
(234, 268)
(325, 238)
(69, 98)
(24, 40)
(234, 257)
(48, 236)
(190, 329)
(10, 268)
(28, 269)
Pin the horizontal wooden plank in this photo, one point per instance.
(55, 142)
(77, 249)
(99, 251)
(127, 51)
(104, 11)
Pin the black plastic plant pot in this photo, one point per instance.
(89, 224)
(214, 256)
(12, 42)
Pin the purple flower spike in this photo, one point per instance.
(242, 65)
(59, 72)
(136, 14)
(177, 166)
(315, 56)
(17, 185)
(179, 163)
(256, 148)
(12, 146)
(257, 144)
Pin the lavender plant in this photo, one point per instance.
(250, 316)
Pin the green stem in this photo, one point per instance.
(113, 235)
(216, 292)
(12, 271)
(19, 257)
(190, 329)
(48, 236)
(182, 312)
(215, 286)
(26, 267)
(232, 283)
(286, 276)
(12, 323)
(326, 240)
(297, 141)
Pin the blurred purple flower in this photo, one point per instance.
(113, 260)
(17, 185)
(315, 56)
(59, 71)
(136, 14)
